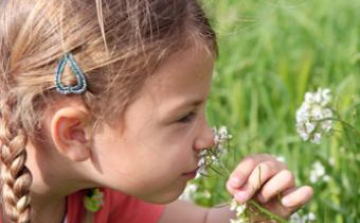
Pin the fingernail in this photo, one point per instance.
(286, 202)
(235, 181)
(241, 196)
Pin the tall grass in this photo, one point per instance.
(271, 53)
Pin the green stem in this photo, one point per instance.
(266, 212)
(342, 122)
(255, 204)
(262, 210)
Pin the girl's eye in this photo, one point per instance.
(187, 118)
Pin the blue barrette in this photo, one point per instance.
(81, 80)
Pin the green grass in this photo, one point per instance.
(271, 53)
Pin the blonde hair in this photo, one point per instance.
(118, 44)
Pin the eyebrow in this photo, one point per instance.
(190, 103)
(193, 102)
(176, 109)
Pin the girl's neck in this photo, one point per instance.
(53, 211)
(52, 182)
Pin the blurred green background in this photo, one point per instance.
(271, 53)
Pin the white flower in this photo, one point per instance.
(240, 212)
(212, 155)
(239, 208)
(295, 218)
(326, 178)
(202, 163)
(221, 135)
(331, 161)
(206, 194)
(317, 138)
(310, 123)
(281, 158)
(308, 218)
(188, 192)
(202, 169)
(318, 173)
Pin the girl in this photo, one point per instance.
(111, 94)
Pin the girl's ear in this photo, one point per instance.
(70, 132)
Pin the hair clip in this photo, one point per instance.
(80, 77)
(93, 201)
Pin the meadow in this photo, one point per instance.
(272, 52)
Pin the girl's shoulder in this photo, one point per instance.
(117, 208)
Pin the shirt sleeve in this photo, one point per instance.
(128, 209)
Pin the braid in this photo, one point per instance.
(15, 176)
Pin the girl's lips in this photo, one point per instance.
(191, 172)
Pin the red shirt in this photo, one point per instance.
(117, 208)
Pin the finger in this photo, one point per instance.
(275, 205)
(242, 172)
(258, 177)
(279, 183)
(295, 198)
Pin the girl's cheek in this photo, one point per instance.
(177, 132)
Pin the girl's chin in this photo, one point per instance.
(165, 197)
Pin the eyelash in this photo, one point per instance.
(187, 118)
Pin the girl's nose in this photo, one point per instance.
(206, 138)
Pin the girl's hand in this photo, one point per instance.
(270, 183)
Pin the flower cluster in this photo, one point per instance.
(318, 173)
(240, 210)
(212, 155)
(314, 115)
(192, 192)
(297, 218)
(221, 136)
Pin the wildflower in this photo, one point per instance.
(297, 218)
(310, 217)
(206, 194)
(281, 158)
(318, 173)
(202, 164)
(189, 191)
(240, 209)
(221, 135)
(212, 155)
(312, 118)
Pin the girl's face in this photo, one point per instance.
(165, 128)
